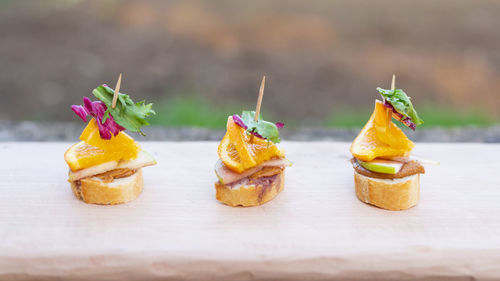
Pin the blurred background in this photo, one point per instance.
(199, 61)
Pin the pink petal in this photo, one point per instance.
(97, 109)
(87, 104)
(239, 121)
(405, 120)
(80, 111)
(257, 135)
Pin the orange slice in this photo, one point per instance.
(239, 138)
(121, 144)
(375, 141)
(229, 156)
(240, 152)
(263, 151)
(82, 155)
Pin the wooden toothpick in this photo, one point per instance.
(259, 100)
(117, 90)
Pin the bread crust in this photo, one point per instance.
(390, 194)
(249, 195)
(94, 191)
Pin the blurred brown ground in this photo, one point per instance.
(318, 55)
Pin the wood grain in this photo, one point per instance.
(315, 229)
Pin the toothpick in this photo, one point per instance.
(117, 90)
(389, 110)
(259, 100)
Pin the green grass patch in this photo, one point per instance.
(4, 3)
(343, 118)
(433, 116)
(195, 111)
(452, 117)
(191, 111)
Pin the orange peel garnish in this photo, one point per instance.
(83, 155)
(239, 151)
(377, 139)
(121, 144)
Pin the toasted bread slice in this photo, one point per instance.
(97, 191)
(249, 194)
(390, 194)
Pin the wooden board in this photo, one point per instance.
(315, 229)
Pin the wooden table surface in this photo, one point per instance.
(315, 229)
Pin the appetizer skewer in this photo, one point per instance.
(105, 166)
(384, 173)
(251, 167)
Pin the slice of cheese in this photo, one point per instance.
(143, 159)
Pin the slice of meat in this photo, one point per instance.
(267, 172)
(264, 177)
(226, 176)
(409, 168)
(264, 182)
(115, 174)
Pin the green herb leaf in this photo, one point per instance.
(130, 115)
(265, 129)
(402, 103)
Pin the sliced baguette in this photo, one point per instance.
(95, 191)
(390, 194)
(249, 195)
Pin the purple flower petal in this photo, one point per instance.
(257, 135)
(405, 120)
(239, 121)
(97, 109)
(105, 134)
(87, 103)
(409, 123)
(80, 111)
